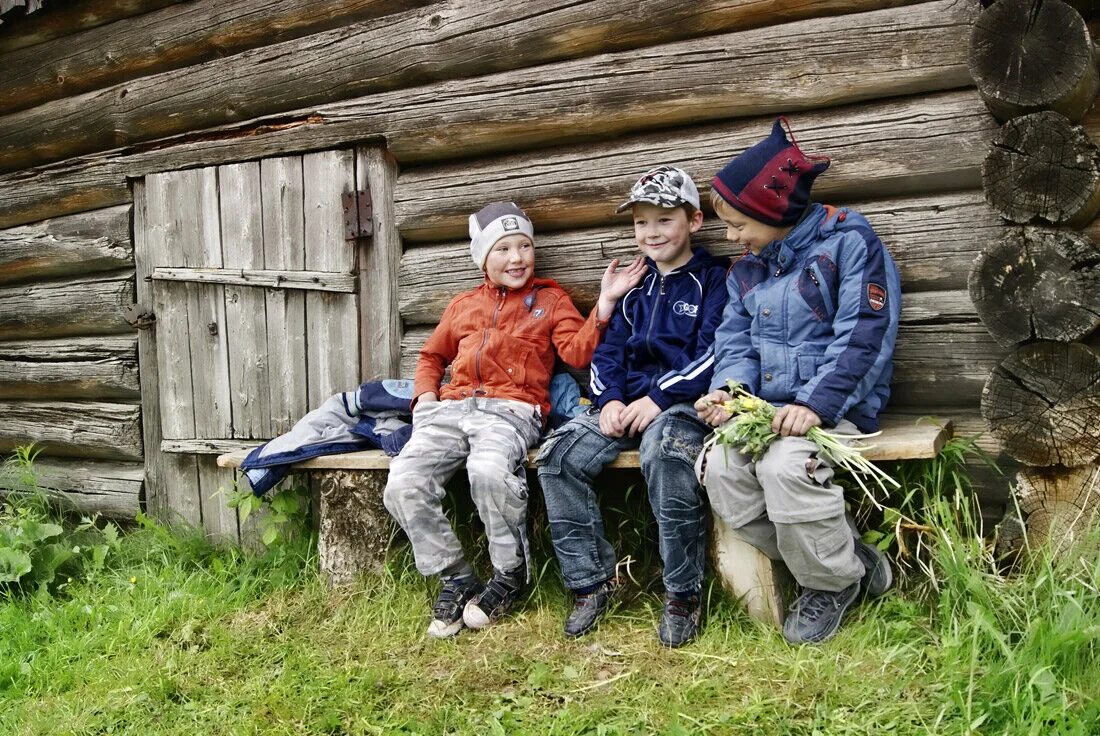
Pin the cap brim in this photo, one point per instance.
(625, 206)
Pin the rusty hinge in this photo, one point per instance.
(357, 215)
(136, 317)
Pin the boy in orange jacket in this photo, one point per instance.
(500, 340)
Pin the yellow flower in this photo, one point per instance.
(133, 580)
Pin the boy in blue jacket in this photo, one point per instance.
(654, 360)
(810, 326)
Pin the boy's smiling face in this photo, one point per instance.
(664, 234)
(511, 261)
(745, 232)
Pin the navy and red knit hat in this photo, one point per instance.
(771, 180)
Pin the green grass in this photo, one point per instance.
(175, 637)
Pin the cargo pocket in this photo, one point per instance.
(808, 365)
(831, 542)
(555, 446)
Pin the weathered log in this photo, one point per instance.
(76, 244)
(70, 368)
(91, 429)
(1038, 283)
(894, 51)
(87, 306)
(69, 19)
(355, 527)
(1043, 402)
(182, 35)
(1028, 56)
(879, 149)
(1043, 166)
(1059, 505)
(932, 238)
(111, 489)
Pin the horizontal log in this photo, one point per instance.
(270, 279)
(87, 306)
(935, 365)
(915, 144)
(67, 19)
(75, 244)
(204, 446)
(826, 61)
(89, 429)
(933, 238)
(111, 489)
(70, 368)
(182, 35)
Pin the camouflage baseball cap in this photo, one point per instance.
(664, 186)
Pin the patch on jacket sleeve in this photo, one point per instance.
(876, 296)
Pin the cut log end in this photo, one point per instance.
(1027, 56)
(1038, 283)
(1043, 403)
(1042, 166)
(1060, 505)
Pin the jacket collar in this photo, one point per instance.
(700, 258)
(783, 254)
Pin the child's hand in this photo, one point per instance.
(795, 420)
(639, 414)
(427, 397)
(710, 408)
(610, 422)
(616, 282)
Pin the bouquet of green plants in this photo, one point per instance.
(749, 430)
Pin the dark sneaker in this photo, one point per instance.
(496, 600)
(588, 608)
(817, 614)
(878, 577)
(679, 621)
(447, 609)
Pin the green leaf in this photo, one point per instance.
(270, 534)
(14, 564)
(38, 532)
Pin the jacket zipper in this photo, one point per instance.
(485, 339)
(649, 330)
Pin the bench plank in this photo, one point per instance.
(902, 438)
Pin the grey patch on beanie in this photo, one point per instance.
(493, 222)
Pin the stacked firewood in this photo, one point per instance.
(1037, 290)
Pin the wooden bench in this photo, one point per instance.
(355, 529)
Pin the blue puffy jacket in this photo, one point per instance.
(660, 340)
(813, 320)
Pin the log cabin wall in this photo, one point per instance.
(558, 105)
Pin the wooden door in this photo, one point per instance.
(252, 277)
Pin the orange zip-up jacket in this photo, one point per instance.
(500, 343)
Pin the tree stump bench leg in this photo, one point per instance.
(761, 584)
(355, 528)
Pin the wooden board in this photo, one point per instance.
(79, 244)
(901, 439)
(917, 48)
(281, 189)
(332, 320)
(182, 35)
(884, 148)
(89, 305)
(379, 264)
(70, 368)
(112, 489)
(90, 429)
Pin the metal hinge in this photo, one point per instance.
(358, 211)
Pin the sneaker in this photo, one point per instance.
(447, 609)
(878, 577)
(495, 600)
(588, 608)
(817, 614)
(679, 621)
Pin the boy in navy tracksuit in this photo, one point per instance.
(654, 360)
(810, 326)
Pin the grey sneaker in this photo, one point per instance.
(447, 609)
(817, 614)
(589, 608)
(495, 600)
(879, 577)
(679, 621)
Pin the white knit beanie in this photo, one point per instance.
(493, 222)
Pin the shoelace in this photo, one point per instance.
(814, 603)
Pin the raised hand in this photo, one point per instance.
(616, 282)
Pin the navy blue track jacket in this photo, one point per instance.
(660, 340)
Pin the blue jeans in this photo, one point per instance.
(571, 458)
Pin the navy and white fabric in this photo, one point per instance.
(813, 320)
(660, 340)
(375, 416)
